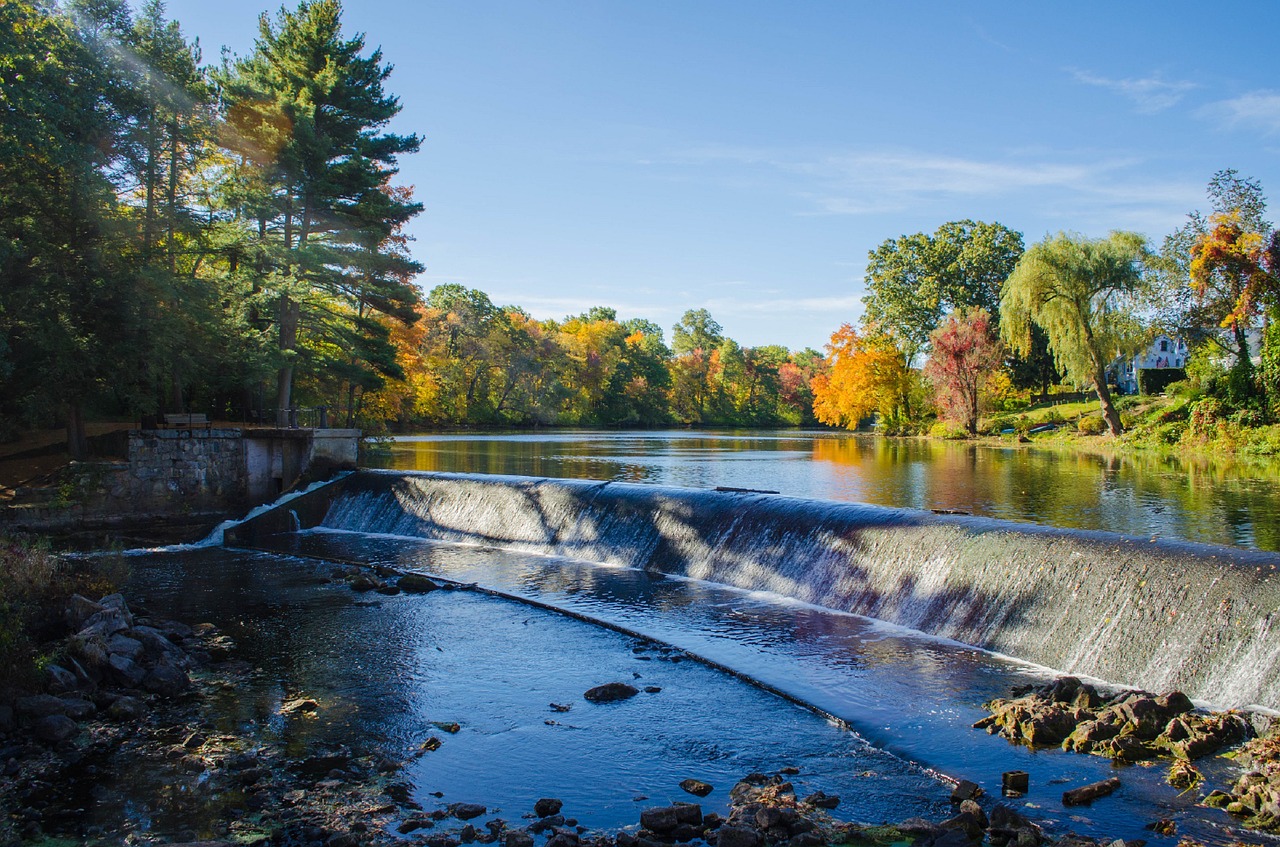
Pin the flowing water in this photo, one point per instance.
(765, 587)
(839, 628)
(1216, 500)
(388, 671)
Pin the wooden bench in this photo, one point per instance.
(190, 421)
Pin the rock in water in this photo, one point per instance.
(547, 806)
(1088, 793)
(55, 728)
(412, 583)
(738, 836)
(610, 692)
(697, 787)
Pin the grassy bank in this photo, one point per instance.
(1179, 424)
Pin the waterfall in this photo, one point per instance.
(1150, 614)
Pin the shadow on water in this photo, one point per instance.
(389, 671)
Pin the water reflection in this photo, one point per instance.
(1207, 499)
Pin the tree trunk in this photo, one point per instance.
(288, 326)
(171, 197)
(1108, 408)
(149, 210)
(77, 438)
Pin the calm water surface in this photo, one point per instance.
(1217, 501)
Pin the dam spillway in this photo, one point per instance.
(1129, 611)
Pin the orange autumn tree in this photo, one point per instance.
(866, 375)
(1236, 267)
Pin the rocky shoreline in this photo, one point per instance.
(129, 704)
(1130, 726)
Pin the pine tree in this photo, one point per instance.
(306, 111)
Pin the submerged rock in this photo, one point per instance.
(412, 583)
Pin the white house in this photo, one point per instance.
(1163, 352)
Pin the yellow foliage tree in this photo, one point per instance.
(866, 374)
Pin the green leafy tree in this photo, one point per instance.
(68, 313)
(915, 279)
(697, 330)
(1034, 368)
(1081, 292)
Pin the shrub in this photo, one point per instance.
(948, 430)
(1206, 414)
(34, 587)
(1157, 380)
(1170, 432)
(1091, 425)
(1174, 412)
(1248, 418)
(1264, 441)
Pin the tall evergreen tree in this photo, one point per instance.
(307, 112)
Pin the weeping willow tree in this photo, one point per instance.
(1079, 291)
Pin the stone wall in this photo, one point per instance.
(203, 469)
(183, 475)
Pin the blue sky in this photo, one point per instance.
(744, 156)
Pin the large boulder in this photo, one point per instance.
(80, 609)
(104, 624)
(610, 692)
(122, 645)
(40, 706)
(126, 670)
(55, 728)
(166, 679)
(117, 601)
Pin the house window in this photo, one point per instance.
(1164, 345)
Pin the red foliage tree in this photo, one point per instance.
(963, 354)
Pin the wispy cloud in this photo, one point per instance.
(1257, 109)
(1084, 189)
(824, 306)
(1150, 94)
(902, 178)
